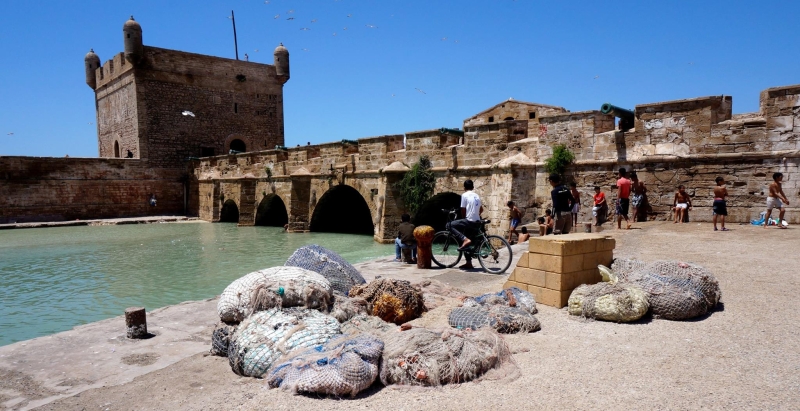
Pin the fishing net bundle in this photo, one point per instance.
(341, 274)
(676, 290)
(265, 336)
(507, 320)
(345, 308)
(509, 297)
(220, 338)
(368, 324)
(342, 366)
(425, 357)
(392, 300)
(436, 293)
(273, 287)
(620, 302)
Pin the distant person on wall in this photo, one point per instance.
(638, 191)
(405, 238)
(774, 200)
(682, 204)
(515, 216)
(623, 198)
(152, 200)
(719, 207)
(576, 206)
(562, 205)
(471, 209)
(600, 208)
(523, 235)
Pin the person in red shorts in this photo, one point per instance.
(623, 198)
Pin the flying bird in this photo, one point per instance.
(372, 26)
(444, 38)
(334, 34)
(349, 15)
(305, 49)
(187, 113)
(305, 29)
(596, 77)
(277, 16)
(256, 50)
(10, 134)
(420, 90)
(314, 21)
(290, 18)
(290, 11)
(344, 28)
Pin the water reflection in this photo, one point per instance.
(52, 279)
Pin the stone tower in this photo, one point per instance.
(167, 105)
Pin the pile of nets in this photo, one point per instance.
(425, 357)
(676, 290)
(345, 308)
(504, 319)
(273, 287)
(368, 324)
(341, 274)
(267, 335)
(509, 297)
(620, 302)
(395, 301)
(342, 366)
(435, 293)
(220, 339)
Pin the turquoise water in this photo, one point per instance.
(52, 279)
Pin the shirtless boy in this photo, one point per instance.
(682, 204)
(523, 235)
(719, 207)
(638, 190)
(774, 200)
(515, 216)
(576, 207)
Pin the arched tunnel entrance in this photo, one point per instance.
(229, 212)
(342, 210)
(430, 213)
(272, 211)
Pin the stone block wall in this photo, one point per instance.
(58, 189)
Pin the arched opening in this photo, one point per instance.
(430, 213)
(229, 212)
(116, 149)
(342, 210)
(272, 211)
(238, 145)
(508, 119)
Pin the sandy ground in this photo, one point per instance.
(745, 355)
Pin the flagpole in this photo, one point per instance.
(235, 42)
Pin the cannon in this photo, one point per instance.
(625, 116)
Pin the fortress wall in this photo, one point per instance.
(118, 100)
(59, 189)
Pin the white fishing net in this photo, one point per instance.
(620, 302)
(341, 274)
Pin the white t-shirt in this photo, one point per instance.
(472, 203)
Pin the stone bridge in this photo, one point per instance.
(349, 186)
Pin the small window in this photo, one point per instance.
(508, 119)
(532, 115)
(206, 151)
(236, 107)
(491, 119)
(116, 149)
(129, 35)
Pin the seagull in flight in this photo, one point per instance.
(372, 26)
(277, 16)
(444, 38)
(290, 11)
(596, 77)
(420, 90)
(187, 113)
(349, 15)
(256, 50)
(314, 21)
(305, 29)
(305, 49)
(290, 18)
(10, 134)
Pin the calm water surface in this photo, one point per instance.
(52, 279)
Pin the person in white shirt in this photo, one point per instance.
(471, 209)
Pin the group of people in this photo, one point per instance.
(566, 207)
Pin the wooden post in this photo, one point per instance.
(424, 236)
(136, 321)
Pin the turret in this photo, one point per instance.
(90, 63)
(134, 48)
(282, 63)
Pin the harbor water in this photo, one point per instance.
(52, 279)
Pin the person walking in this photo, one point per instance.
(515, 216)
(623, 198)
(562, 205)
(774, 199)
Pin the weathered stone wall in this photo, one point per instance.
(58, 189)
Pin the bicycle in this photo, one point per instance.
(493, 252)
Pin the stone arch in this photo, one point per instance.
(116, 149)
(342, 209)
(272, 211)
(230, 141)
(430, 213)
(229, 212)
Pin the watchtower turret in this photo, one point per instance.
(134, 48)
(282, 63)
(90, 63)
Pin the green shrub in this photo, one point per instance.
(561, 158)
(417, 185)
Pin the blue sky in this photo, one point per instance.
(465, 55)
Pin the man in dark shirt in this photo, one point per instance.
(562, 205)
(405, 238)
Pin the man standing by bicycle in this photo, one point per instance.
(471, 209)
(562, 205)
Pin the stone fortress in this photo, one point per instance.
(245, 174)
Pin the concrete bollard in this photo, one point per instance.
(136, 322)
(424, 236)
(587, 227)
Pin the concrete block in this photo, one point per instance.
(556, 264)
(523, 260)
(560, 282)
(546, 296)
(606, 244)
(592, 260)
(586, 277)
(510, 284)
(568, 244)
(529, 276)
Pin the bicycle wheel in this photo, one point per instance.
(445, 249)
(495, 254)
